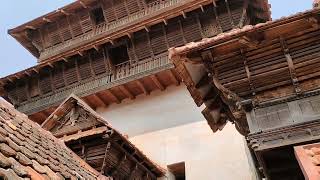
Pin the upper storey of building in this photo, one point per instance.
(109, 66)
(85, 24)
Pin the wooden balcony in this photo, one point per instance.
(156, 12)
(127, 80)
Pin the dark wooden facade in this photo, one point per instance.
(139, 57)
(265, 79)
(96, 142)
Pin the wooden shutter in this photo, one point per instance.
(108, 11)
(120, 8)
(131, 52)
(57, 76)
(98, 63)
(45, 37)
(54, 35)
(33, 87)
(12, 92)
(142, 46)
(85, 21)
(70, 72)
(64, 29)
(84, 67)
(133, 6)
(174, 33)
(45, 81)
(158, 40)
(75, 25)
(191, 28)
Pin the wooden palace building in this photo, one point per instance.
(130, 66)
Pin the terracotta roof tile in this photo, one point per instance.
(28, 151)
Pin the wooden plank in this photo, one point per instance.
(173, 78)
(96, 98)
(113, 96)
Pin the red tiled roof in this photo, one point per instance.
(308, 157)
(28, 151)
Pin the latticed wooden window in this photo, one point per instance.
(84, 67)
(64, 28)
(45, 37)
(142, 46)
(133, 6)
(98, 62)
(209, 24)
(57, 77)
(191, 28)
(158, 40)
(70, 72)
(12, 92)
(45, 81)
(120, 9)
(33, 87)
(36, 39)
(85, 21)
(75, 25)
(54, 35)
(108, 11)
(174, 33)
(224, 17)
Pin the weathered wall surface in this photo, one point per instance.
(169, 128)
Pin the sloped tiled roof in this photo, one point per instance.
(308, 157)
(28, 151)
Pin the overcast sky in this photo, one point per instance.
(15, 58)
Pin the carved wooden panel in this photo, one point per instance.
(98, 62)
(285, 114)
(120, 8)
(84, 67)
(142, 46)
(108, 11)
(70, 72)
(174, 33)
(57, 77)
(64, 28)
(75, 120)
(75, 25)
(158, 40)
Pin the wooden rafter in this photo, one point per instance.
(174, 78)
(126, 91)
(113, 96)
(97, 99)
(157, 82)
(142, 87)
(105, 158)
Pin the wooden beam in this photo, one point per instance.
(202, 9)
(126, 92)
(31, 27)
(165, 22)
(46, 20)
(184, 15)
(248, 42)
(114, 97)
(157, 82)
(142, 87)
(83, 4)
(119, 164)
(173, 78)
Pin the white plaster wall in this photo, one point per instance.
(169, 128)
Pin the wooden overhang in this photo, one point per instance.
(255, 66)
(162, 15)
(90, 136)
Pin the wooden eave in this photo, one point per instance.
(107, 129)
(249, 38)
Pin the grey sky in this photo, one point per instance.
(15, 12)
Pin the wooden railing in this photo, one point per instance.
(121, 74)
(108, 28)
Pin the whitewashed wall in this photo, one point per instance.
(169, 128)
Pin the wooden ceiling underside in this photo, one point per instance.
(118, 94)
